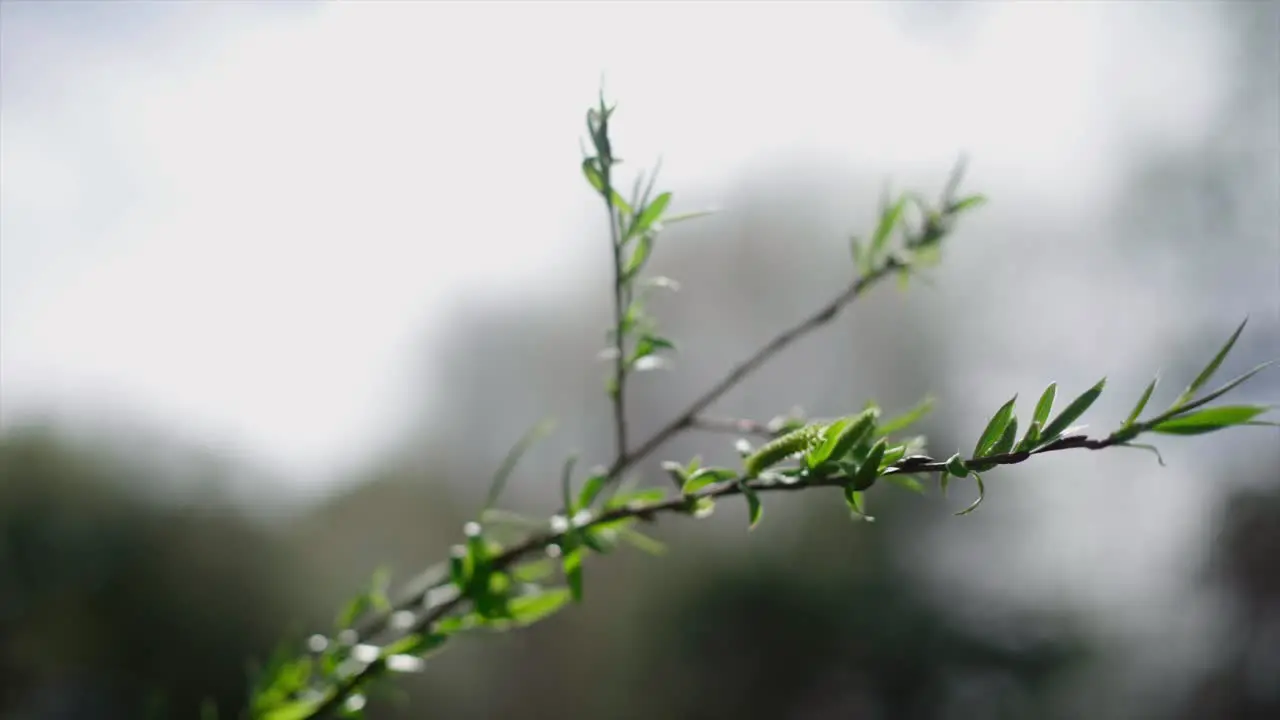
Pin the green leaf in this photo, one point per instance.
(982, 492)
(1210, 419)
(622, 205)
(458, 567)
(540, 430)
(855, 500)
(566, 485)
(870, 468)
(648, 344)
(528, 609)
(1030, 439)
(857, 430)
(1142, 402)
(573, 573)
(860, 259)
(888, 221)
(1007, 438)
(1071, 412)
(638, 256)
(908, 418)
(956, 467)
(599, 540)
(703, 507)
(676, 472)
(822, 451)
(591, 490)
(643, 497)
(533, 571)
(995, 428)
(968, 203)
(1209, 369)
(591, 168)
(642, 542)
(1045, 405)
(418, 644)
(1230, 385)
(358, 606)
(651, 212)
(705, 477)
(754, 509)
(673, 219)
(892, 455)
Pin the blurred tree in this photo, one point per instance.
(110, 601)
(1244, 683)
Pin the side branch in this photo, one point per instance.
(690, 417)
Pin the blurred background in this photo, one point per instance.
(280, 284)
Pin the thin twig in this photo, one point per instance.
(823, 316)
(620, 302)
(684, 504)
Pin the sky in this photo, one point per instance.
(240, 220)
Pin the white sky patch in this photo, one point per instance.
(244, 225)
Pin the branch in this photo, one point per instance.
(689, 417)
(683, 504)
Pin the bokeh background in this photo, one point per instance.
(281, 282)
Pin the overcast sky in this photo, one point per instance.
(239, 218)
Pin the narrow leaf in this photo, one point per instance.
(859, 253)
(639, 256)
(1029, 440)
(1230, 385)
(673, 219)
(967, 203)
(854, 499)
(910, 417)
(995, 428)
(1210, 419)
(642, 542)
(676, 472)
(982, 492)
(591, 169)
(651, 212)
(705, 477)
(566, 485)
(870, 468)
(540, 430)
(754, 509)
(640, 497)
(1045, 405)
(591, 490)
(1209, 369)
(528, 609)
(1072, 411)
(1142, 402)
(888, 221)
(1007, 438)
(573, 573)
